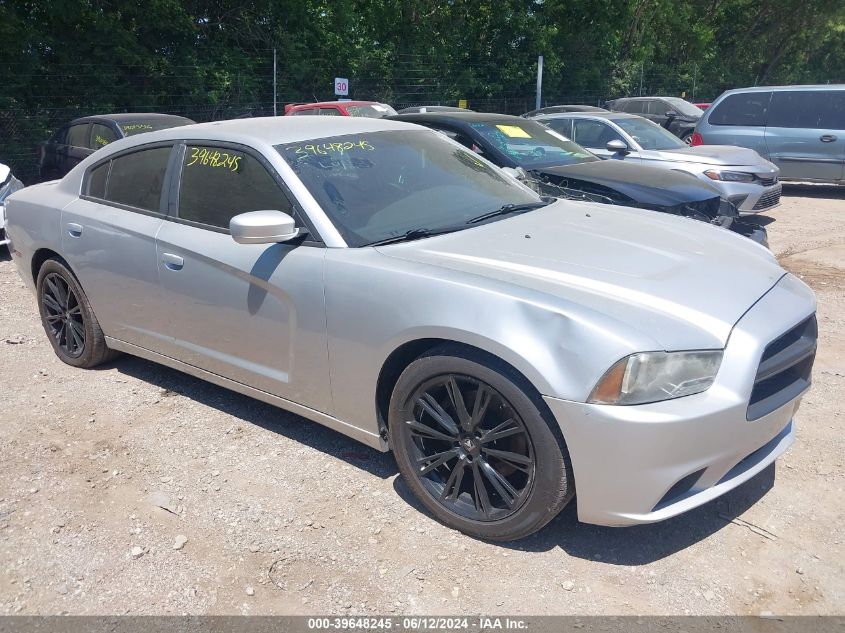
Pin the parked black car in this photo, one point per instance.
(675, 114)
(556, 166)
(558, 109)
(80, 138)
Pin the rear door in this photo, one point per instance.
(805, 134)
(108, 235)
(253, 313)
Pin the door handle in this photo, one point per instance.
(74, 229)
(827, 138)
(172, 262)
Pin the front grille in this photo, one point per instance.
(784, 370)
(768, 199)
(767, 181)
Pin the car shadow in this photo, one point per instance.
(758, 219)
(635, 545)
(5, 255)
(811, 190)
(255, 412)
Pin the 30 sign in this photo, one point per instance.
(341, 86)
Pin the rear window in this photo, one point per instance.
(744, 108)
(374, 111)
(808, 109)
(131, 128)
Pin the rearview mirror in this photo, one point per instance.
(263, 227)
(617, 147)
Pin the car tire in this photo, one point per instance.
(500, 437)
(687, 137)
(67, 317)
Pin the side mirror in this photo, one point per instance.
(617, 147)
(519, 173)
(671, 114)
(263, 227)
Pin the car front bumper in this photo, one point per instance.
(751, 197)
(4, 237)
(646, 463)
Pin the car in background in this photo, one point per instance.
(673, 113)
(75, 141)
(744, 177)
(386, 282)
(562, 108)
(432, 108)
(801, 129)
(701, 106)
(371, 109)
(8, 185)
(556, 166)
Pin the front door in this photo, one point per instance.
(253, 313)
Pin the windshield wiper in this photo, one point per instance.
(509, 208)
(415, 234)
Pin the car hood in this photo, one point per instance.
(679, 281)
(712, 155)
(647, 185)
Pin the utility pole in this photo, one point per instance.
(642, 65)
(694, 73)
(539, 80)
(274, 83)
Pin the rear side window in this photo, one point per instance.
(77, 135)
(101, 136)
(745, 108)
(308, 112)
(635, 107)
(808, 109)
(329, 112)
(97, 181)
(136, 179)
(220, 183)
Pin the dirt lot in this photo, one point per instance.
(283, 516)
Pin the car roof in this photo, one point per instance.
(271, 130)
(461, 118)
(796, 87)
(122, 117)
(587, 115)
(318, 104)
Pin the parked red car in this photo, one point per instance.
(372, 109)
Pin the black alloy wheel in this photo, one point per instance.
(63, 315)
(477, 445)
(471, 448)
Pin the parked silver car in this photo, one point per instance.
(742, 176)
(801, 129)
(383, 280)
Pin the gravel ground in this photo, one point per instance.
(136, 489)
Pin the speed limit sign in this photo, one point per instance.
(341, 86)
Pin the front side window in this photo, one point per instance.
(137, 179)
(657, 107)
(329, 112)
(306, 112)
(530, 144)
(745, 108)
(596, 134)
(77, 135)
(101, 136)
(383, 184)
(649, 135)
(561, 126)
(219, 183)
(683, 107)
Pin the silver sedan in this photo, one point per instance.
(744, 177)
(383, 280)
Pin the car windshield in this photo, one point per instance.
(373, 110)
(684, 107)
(139, 126)
(385, 184)
(649, 135)
(530, 144)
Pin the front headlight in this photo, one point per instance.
(729, 176)
(655, 376)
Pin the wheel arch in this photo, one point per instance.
(42, 255)
(406, 353)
